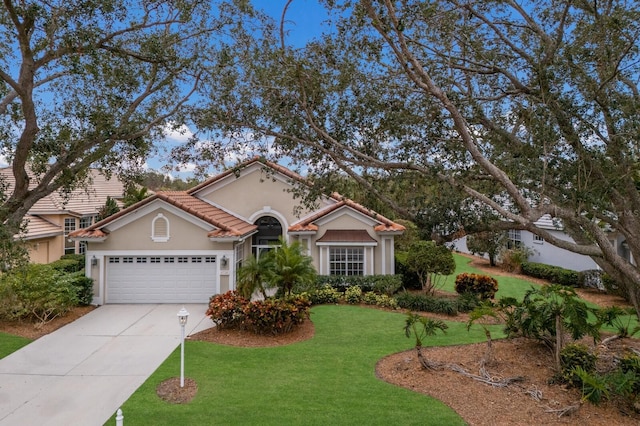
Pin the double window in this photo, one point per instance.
(346, 261)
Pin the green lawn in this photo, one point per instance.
(10, 343)
(329, 379)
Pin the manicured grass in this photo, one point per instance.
(507, 286)
(10, 343)
(329, 379)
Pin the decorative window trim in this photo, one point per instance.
(347, 260)
(160, 238)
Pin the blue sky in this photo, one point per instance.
(304, 21)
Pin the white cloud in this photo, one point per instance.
(180, 134)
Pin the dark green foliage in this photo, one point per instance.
(84, 287)
(483, 286)
(270, 316)
(431, 262)
(382, 284)
(594, 387)
(427, 303)
(489, 242)
(69, 263)
(575, 355)
(468, 302)
(630, 364)
(554, 274)
(37, 292)
(546, 314)
(410, 279)
(109, 208)
(421, 327)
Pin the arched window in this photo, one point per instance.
(269, 231)
(160, 229)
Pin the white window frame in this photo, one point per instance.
(160, 238)
(346, 262)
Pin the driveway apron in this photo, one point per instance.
(82, 373)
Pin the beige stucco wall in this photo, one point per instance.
(256, 191)
(136, 235)
(45, 250)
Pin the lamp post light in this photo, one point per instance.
(183, 315)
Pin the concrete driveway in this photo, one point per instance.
(82, 373)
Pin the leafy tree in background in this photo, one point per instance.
(487, 242)
(91, 83)
(502, 108)
(109, 208)
(431, 262)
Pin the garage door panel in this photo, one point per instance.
(166, 279)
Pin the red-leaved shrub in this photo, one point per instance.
(483, 286)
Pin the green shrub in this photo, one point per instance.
(630, 364)
(409, 279)
(511, 260)
(467, 302)
(37, 292)
(426, 303)
(594, 387)
(353, 295)
(575, 355)
(381, 300)
(483, 286)
(326, 294)
(555, 274)
(387, 284)
(69, 263)
(84, 287)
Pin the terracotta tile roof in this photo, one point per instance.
(38, 227)
(385, 225)
(227, 225)
(346, 236)
(276, 167)
(81, 201)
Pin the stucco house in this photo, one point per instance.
(50, 221)
(185, 246)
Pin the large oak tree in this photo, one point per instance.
(91, 83)
(525, 109)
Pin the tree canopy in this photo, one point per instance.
(506, 109)
(92, 83)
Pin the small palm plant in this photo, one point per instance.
(255, 275)
(290, 266)
(422, 327)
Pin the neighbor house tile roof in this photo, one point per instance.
(79, 202)
(38, 227)
(227, 224)
(307, 224)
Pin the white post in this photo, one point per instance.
(119, 418)
(183, 316)
(182, 358)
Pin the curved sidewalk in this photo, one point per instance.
(83, 372)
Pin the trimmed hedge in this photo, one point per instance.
(555, 274)
(381, 284)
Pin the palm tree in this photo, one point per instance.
(290, 266)
(255, 275)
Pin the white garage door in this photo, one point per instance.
(161, 279)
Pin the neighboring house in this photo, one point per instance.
(544, 252)
(50, 221)
(185, 246)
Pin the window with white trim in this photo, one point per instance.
(346, 261)
(515, 239)
(538, 239)
(160, 229)
(69, 226)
